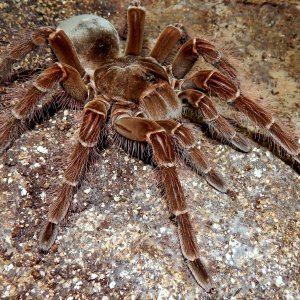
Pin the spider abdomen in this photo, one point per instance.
(94, 38)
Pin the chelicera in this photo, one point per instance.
(144, 100)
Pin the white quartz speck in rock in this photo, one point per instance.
(23, 192)
(87, 191)
(228, 256)
(253, 158)
(162, 229)
(42, 149)
(93, 276)
(78, 285)
(257, 173)
(162, 294)
(56, 259)
(112, 284)
(123, 273)
(216, 226)
(9, 267)
(279, 281)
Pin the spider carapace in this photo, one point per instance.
(144, 100)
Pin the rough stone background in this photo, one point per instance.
(121, 244)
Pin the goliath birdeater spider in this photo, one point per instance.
(144, 100)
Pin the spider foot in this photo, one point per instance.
(198, 162)
(201, 276)
(48, 235)
(10, 129)
(216, 181)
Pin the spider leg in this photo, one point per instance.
(21, 47)
(201, 106)
(23, 111)
(94, 116)
(58, 41)
(166, 42)
(141, 129)
(193, 156)
(64, 50)
(192, 49)
(229, 92)
(136, 20)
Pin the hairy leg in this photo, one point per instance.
(192, 49)
(66, 75)
(200, 107)
(136, 21)
(141, 129)
(229, 92)
(58, 41)
(194, 157)
(166, 42)
(65, 51)
(22, 46)
(94, 116)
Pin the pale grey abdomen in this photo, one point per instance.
(94, 38)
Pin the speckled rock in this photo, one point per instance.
(120, 243)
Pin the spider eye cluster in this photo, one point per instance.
(93, 37)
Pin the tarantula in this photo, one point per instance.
(144, 100)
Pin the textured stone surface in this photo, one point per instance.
(121, 244)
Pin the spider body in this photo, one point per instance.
(97, 45)
(144, 105)
(141, 81)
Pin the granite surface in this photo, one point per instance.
(120, 243)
